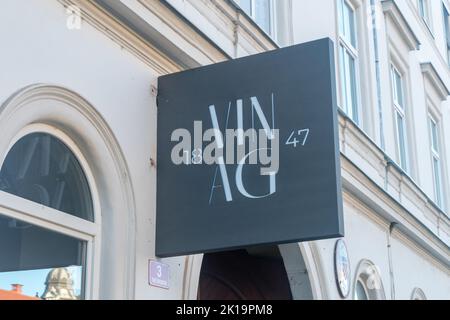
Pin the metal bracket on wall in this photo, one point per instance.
(154, 90)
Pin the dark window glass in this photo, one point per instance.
(42, 169)
(36, 263)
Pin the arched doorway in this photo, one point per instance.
(261, 273)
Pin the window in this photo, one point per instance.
(424, 11)
(400, 118)
(446, 31)
(436, 161)
(368, 282)
(262, 12)
(46, 221)
(348, 59)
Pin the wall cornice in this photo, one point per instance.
(392, 11)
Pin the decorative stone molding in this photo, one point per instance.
(159, 33)
(392, 11)
(124, 36)
(433, 77)
(224, 24)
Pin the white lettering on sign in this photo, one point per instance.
(263, 147)
(270, 134)
(158, 274)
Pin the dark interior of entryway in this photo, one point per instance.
(249, 274)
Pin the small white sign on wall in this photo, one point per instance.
(158, 274)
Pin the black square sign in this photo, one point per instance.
(248, 153)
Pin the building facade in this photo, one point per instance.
(78, 125)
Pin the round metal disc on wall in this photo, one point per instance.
(342, 268)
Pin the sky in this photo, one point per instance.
(34, 280)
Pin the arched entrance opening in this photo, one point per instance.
(259, 273)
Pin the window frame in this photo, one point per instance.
(436, 155)
(352, 51)
(400, 111)
(425, 13)
(15, 207)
